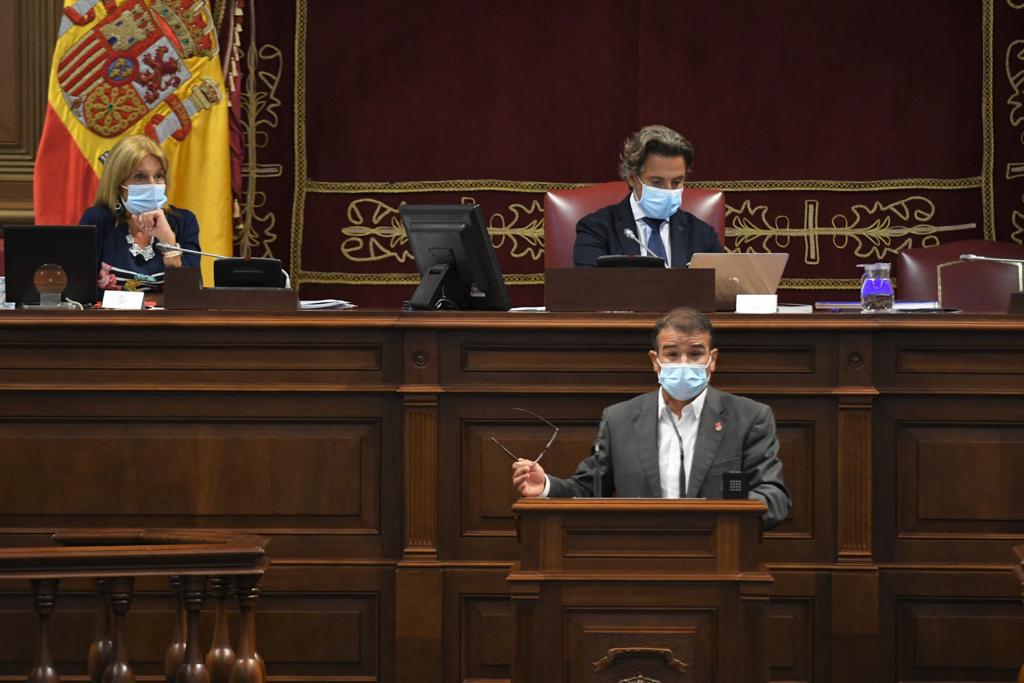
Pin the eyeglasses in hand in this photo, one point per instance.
(546, 446)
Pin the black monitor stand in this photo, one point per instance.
(440, 287)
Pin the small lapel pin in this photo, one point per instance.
(718, 426)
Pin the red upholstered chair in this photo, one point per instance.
(979, 286)
(564, 208)
(917, 275)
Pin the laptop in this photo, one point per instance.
(72, 247)
(741, 274)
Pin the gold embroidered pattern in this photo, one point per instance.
(375, 231)
(819, 283)
(301, 163)
(259, 115)
(883, 185)
(988, 153)
(1015, 78)
(402, 278)
(492, 185)
(873, 232)
(523, 232)
(409, 187)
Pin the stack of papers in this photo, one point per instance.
(897, 306)
(325, 304)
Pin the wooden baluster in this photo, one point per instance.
(102, 645)
(119, 592)
(193, 670)
(175, 656)
(221, 657)
(44, 592)
(249, 667)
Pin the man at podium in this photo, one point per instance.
(654, 162)
(680, 440)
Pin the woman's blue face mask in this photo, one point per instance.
(145, 197)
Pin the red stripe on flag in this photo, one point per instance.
(76, 54)
(64, 184)
(78, 76)
(83, 82)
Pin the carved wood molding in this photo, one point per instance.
(35, 29)
(37, 24)
(854, 469)
(618, 652)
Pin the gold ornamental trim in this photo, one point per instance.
(498, 185)
(299, 129)
(819, 283)
(394, 279)
(413, 186)
(988, 154)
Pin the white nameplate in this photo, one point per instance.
(123, 301)
(757, 303)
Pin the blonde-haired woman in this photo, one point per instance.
(131, 215)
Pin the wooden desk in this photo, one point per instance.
(359, 442)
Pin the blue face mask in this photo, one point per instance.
(658, 203)
(143, 198)
(682, 381)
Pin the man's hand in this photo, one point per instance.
(528, 477)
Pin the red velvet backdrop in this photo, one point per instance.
(842, 131)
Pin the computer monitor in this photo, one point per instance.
(72, 247)
(455, 258)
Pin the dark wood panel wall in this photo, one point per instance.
(27, 30)
(360, 443)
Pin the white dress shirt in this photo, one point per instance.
(643, 230)
(670, 430)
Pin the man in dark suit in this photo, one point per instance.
(678, 441)
(654, 162)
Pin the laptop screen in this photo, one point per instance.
(741, 273)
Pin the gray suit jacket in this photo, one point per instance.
(628, 442)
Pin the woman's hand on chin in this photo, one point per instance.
(154, 224)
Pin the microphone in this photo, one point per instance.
(975, 257)
(164, 248)
(643, 247)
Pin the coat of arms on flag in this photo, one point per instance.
(132, 61)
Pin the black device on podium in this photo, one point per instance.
(59, 258)
(455, 258)
(248, 272)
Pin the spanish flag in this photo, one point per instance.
(126, 67)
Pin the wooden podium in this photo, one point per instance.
(184, 291)
(641, 290)
(632, 590)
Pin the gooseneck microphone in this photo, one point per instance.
(643, 247)
(164, 248)
(975, 257)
